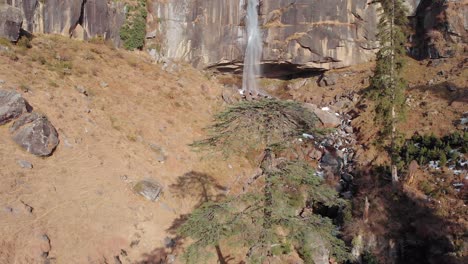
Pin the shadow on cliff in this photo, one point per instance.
(407, 225)
(445, 90)
(197, 186)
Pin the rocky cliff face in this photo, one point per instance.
(440, 28)
(81, 18)
(320, 34)
(297, 34)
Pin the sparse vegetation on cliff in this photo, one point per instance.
(133, 31)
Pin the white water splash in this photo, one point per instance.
(253, 52)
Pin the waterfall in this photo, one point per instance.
(253, 52)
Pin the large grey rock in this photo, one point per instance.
(12, 105)
(148, 189)
(35, 134)
(11, 21)
(327, 118)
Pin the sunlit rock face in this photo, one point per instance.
(320, 34)
(93, 17)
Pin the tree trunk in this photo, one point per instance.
(366, 211)
(393, 89)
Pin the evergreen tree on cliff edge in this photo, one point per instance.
(387, 84)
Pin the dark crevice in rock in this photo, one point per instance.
(80, 19)
(271, 69)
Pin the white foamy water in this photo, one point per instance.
(253, 52)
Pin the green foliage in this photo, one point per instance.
(369, 258)
(242, 218)
(431, 148)
(253, 125)
(133, 32)
(387, 84)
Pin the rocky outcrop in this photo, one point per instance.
(12, 105)
(35, 134)
(298, 35)
(441, 29)
(93, 17)
(10, 22)
(304, 34)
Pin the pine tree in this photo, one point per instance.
(266, 219)
(387, 83)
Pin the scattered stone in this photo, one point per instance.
(315, 154)
(430, 82)
(328, 80)
(451, 88)
(170, 258)
(169, 242)
(347, 177)
(349, 129)
(35, 134)
(2, 81)
(329, 160)
(161, 154)
(103, 84)
(81, 89)
(25, 164)
(148, 189)
(12, 105)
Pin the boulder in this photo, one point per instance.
(328, 80)
(12, 105)
(331, 161)
(327, 118)
(11, 21)
(35, 134)
(148, 189)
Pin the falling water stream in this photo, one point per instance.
(253, 52)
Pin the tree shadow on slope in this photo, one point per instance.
(199, 186)
(413, 229)
(192, 185)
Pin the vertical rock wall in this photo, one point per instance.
(93, 17)
(320, 34)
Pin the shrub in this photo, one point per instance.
(429, 147)
(133, 32)
(255, 125)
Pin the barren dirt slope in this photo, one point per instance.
(77, 206)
